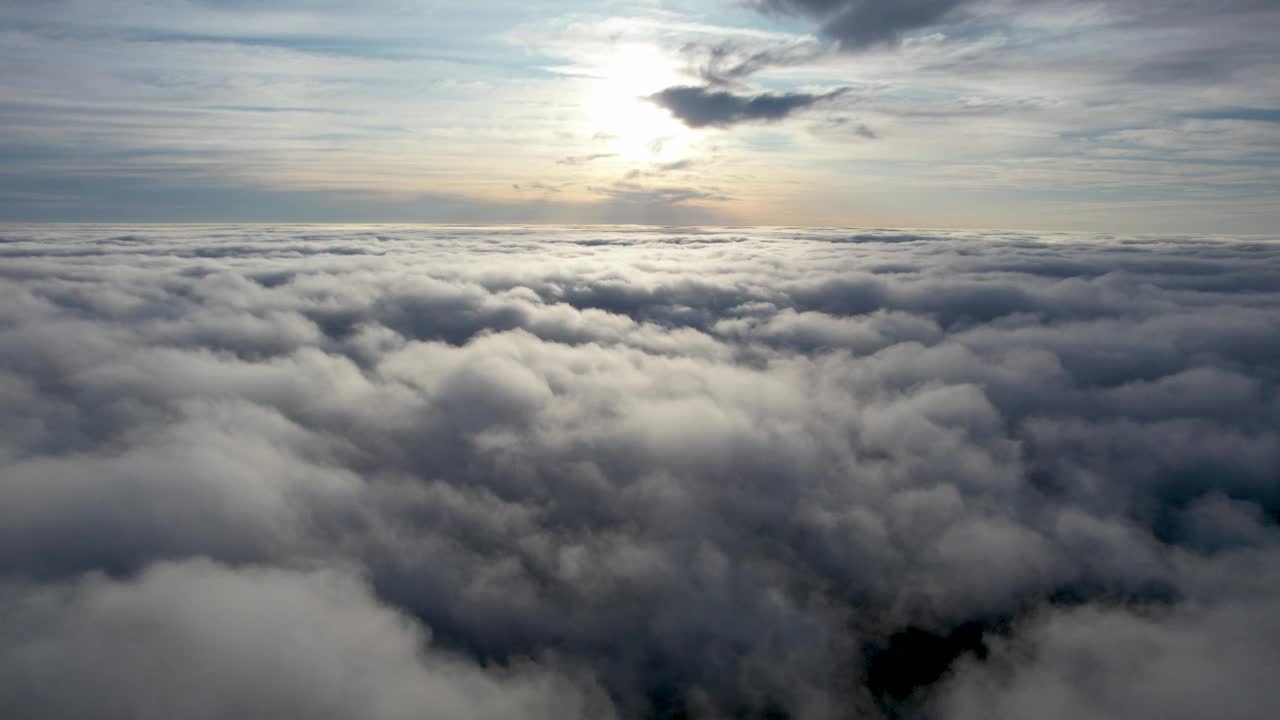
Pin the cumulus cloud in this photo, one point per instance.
(703, 107)
(1211, 656)
(550, 472)
(199, 640)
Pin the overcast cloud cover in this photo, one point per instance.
(404, 472)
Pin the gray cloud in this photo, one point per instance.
(538, 186)
(845, 126)
(354, 472)
(583, 159)
(863, 24)
(250, 643)
(663, 168)
(1264, 115)
(860, 24)
(704, 107)
(728, 63)
(1206, 658)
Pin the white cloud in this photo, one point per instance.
(717, 469)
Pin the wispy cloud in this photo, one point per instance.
(584, 159)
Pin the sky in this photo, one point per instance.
(1125, 115)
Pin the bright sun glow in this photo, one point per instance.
(636, 128)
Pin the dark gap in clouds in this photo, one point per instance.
(703, 107)
(906, 665)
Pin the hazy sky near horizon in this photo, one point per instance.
(1122, 115)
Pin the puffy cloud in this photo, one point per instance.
(1209, 656)
(714, 471)
(199, 640)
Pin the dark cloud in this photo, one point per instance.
(860, 24)
(704, 107)
(1231, 37)
(555, 472)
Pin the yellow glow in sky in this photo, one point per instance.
(636, 128)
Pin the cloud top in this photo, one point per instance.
(633, 472)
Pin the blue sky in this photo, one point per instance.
(1123, 115)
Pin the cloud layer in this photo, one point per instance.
(584, 472)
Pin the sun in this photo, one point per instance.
(619, 112)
